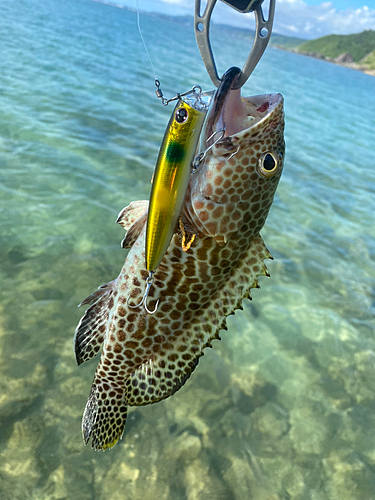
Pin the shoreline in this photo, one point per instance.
(351, 65)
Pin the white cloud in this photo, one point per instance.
(293, 17)
(319, 20)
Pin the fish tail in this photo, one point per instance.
(104, 418)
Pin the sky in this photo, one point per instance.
(299, 18)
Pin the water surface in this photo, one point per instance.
(281, 408)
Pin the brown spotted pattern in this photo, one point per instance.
(234, 190)
(147, 358)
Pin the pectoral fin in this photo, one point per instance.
(128, 215)
(134, 231)
(132, 218)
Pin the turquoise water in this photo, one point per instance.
(283, 407)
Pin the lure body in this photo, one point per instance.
(171, 179)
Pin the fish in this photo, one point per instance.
(147, 358)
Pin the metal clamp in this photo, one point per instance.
(263, 32)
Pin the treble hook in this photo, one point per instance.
(199, 158)
(149, 282)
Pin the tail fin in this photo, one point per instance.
(103, 419)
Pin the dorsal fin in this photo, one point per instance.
(238, 287)
(90, 332)
(132, 218)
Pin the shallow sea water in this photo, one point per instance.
(283, 407)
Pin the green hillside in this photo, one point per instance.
(358, 45)
(285, 42)
(369, 60)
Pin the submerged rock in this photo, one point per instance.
(185, 448)
(55, 487)
(202, 484)
(125, 477)
(19, 470)
(309, 430)
(349, 477)
(271, 421)
(17, 394)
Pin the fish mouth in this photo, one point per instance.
(222, 94)
(231, 114)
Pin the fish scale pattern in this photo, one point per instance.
(147, 358)
(235, 192)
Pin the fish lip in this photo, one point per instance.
(227, 82)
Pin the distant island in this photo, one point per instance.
(355, 51)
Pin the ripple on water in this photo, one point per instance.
(283, 406)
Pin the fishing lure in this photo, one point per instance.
(171, 179)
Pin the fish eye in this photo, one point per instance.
(181, 115)
(268, 163)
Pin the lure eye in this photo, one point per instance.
(268, 163)
(181, 115)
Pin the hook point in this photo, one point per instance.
(149, 282)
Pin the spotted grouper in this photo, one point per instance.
(148, 357)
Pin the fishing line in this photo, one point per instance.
(159, 93)
(144, 43)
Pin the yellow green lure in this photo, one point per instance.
(171, 179)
